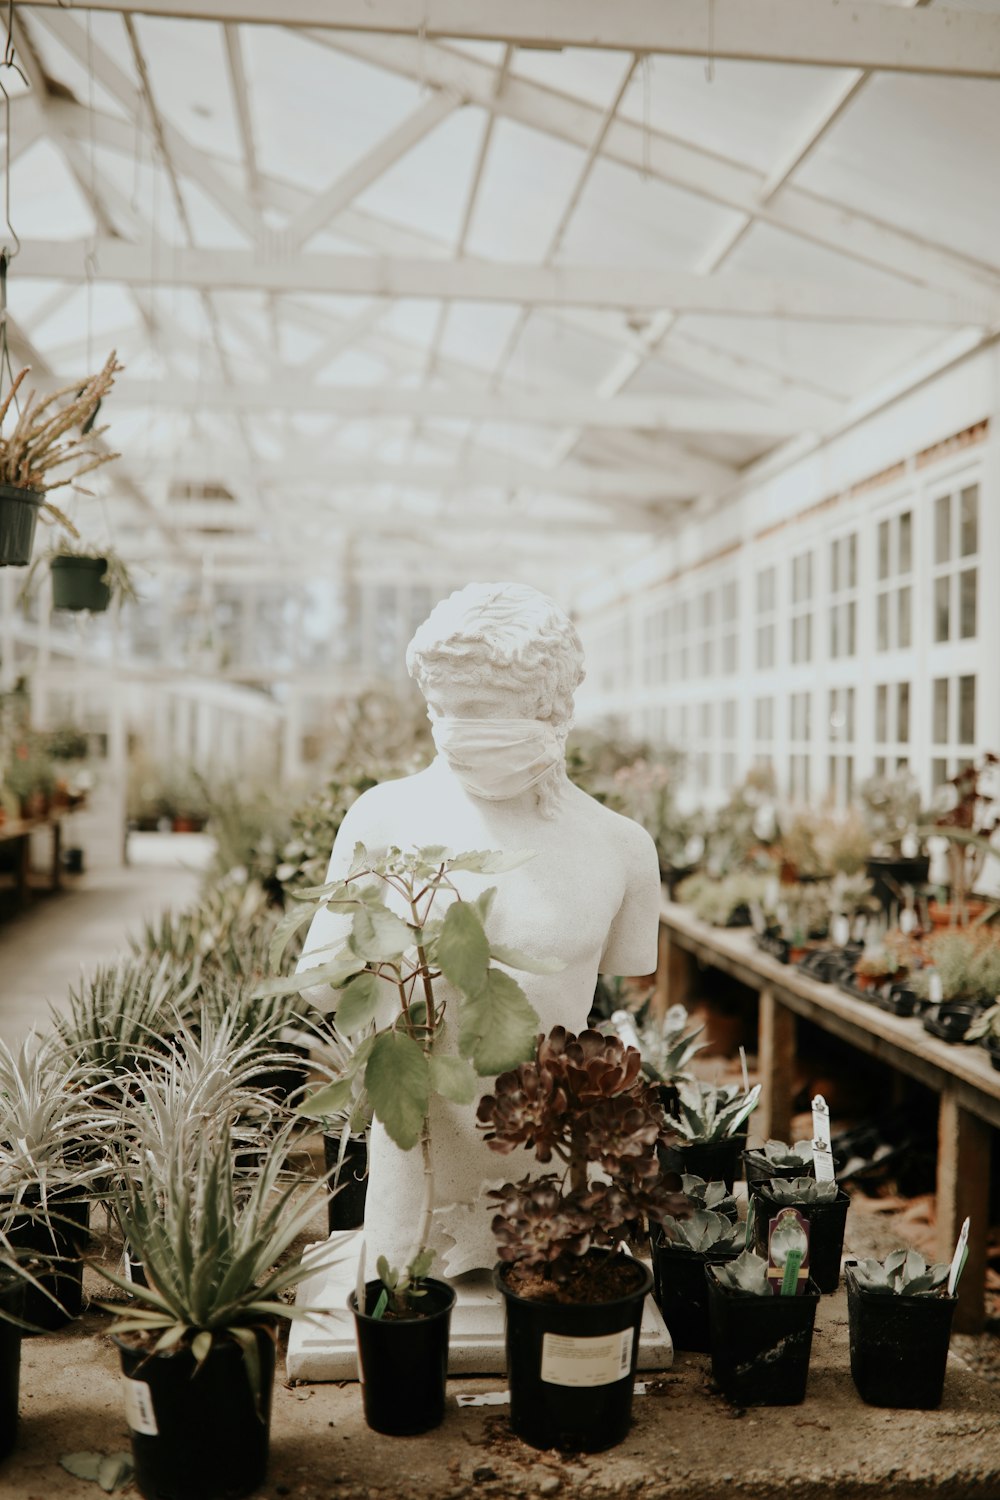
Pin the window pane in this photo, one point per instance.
(939, 772)
(852, 560)
(851, 628)
(966, 710)
(941, 610)
(880, 765)
(968, 541)
(967, 603)
(705, 721)
(903, 630)
(883, 549)
(881, 713)
(882, 623)
(849, 713)
(903, 713)
(834, 638)
(940, 735)
(848, 777)
(942, 529)
(905, 560)
(706, 658)
(834, 567)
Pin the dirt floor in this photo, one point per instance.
(684, 1441)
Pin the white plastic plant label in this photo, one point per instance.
(139, 1413)
(593, 1361)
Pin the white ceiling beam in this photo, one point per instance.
(554, 408)
(318, 214)
(818, 33)
(680, 163)
(221, 521)
(578, 286)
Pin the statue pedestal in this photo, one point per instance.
(324, 1348)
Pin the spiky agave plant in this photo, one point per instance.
(214, 1247)
(706, 1113)
(119, 1017)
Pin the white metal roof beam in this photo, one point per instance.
(554, 408)
(681, 163)
(819, 33)
(574, 286)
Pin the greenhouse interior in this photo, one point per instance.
(499, 760)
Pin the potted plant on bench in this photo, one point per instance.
(900, 1312)
(761, 1342)
(573, 1300)
(681, 1250)
(707, 1135)
(824, 1205)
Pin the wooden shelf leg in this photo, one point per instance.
(776, 1056)
(674, 974)
(963, 1191)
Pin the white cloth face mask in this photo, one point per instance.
(498, 758)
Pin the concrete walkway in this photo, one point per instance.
(44, 949)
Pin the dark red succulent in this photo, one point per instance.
(585, 1102)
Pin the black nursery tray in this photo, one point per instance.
(828, 965)
(950, 1021)
(898, 1000)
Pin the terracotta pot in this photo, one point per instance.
(943, 913)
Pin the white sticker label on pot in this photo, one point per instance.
(597, 1361)
(139, 1413)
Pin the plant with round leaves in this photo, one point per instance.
(706, 1113)
(584, 1103)
(712, 1195)
(801, 1190)
(903, 1273)
(778, 1155)
(410, 930)
(702, 1231)
(746, 1274)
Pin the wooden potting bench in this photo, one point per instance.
(967, 1085)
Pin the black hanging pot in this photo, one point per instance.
(55, 1237)
(571, 1365)
(889, 874)
(681, 1290)
(198, 1433)
(403, 1361)
(761, 1345)
(78, 583)
(347, 1180)
(826, 1233)
(715, 1161)
(899, 1345)
(18, 517)
(11, 1306)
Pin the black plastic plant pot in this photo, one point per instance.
(348, 1184)
(57, 1238)
(571, 1366)
(757, 1177)
(899, 1346)
(198, 1433)
(889, 875)
(403, 1362)
(682, 1292)
(826, 1234)
(11, 1306)
(715, 1161)
(77, 583)
(18, 518)
(761, 1345)
(952, 1019)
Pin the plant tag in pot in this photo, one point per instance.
(935, 991)
(959, 1258)
(139, 1412)
(788, 1253)
(840, 931)
(822, 1149)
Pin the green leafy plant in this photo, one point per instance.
(702, 1231)
(385, 977)
(746, 1274)
(966, 962)
(711, 1195)
(583, 1101)
(119, 1016)
(399, 1288)
(52, 1126)
(706, 1113)
(718, 900)
(801, 1190)
(904, 1273)
(668, 1044)
(878, 962)
(968, 824)
(213, 1245)
(986, 1028)
(67, 743)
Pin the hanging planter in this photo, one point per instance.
(571, 1366)
(18, 518)
(79, 583)
(403, 1359)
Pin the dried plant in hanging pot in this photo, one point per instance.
(53, 443)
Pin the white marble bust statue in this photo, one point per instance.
(498, 664)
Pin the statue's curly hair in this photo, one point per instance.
(510, 626)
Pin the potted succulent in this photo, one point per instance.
(891, 809)
(761, 1342)
(707, 1134)
(51, 1126)
(962, 977)
(985, 1029)
(876, 966)
(48, 437)
(384, 975)
(824, 1205)
(667, 1045)
(900, 1315)
(778, 1159)
(725, 901)
(573, 1301)
(197, 1338)
(682, 1249)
